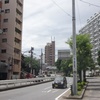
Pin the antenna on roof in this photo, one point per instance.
(54, 38)
(51, 38)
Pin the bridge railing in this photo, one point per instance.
(16, 83)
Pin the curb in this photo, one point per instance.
(76, 96)
(68, 95)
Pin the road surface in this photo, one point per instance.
(36, 92)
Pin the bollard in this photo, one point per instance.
(71, 89)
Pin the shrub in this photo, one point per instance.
(80, 85)
(79, 88)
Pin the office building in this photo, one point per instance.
(50, 53)
(11, 38)
(64, 54)
(93, 28)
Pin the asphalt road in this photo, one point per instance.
(37, 92)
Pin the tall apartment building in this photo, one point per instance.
(93, 28)
(11, 38)
(64, 54)
(50, 53)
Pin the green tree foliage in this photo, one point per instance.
(83, 49)
(58, 64)
(65, 66)
(26, 61)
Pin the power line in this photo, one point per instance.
(61, 8)
(79, 13)
(89, 3)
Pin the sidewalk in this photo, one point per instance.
(92, 91)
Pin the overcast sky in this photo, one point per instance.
(43, 19)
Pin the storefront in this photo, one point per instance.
(3, 71)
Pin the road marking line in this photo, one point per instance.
(49, 91)
(47, 88)
(62, 94)
(54, 91)
(44, 91)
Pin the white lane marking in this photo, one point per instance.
(62, 94)
(47, 91)
(44, 91)
(47, 88)
(54, 91)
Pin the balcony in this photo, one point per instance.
(17, 35)
(16, 68)
(19, 26)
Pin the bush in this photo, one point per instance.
(79, 88)
(80, 85)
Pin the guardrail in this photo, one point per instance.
(16, 83)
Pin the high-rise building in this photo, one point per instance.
(50, 53)
(11, 21)
(93, 28)
(64, 54)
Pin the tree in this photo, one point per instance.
(58, 64)
(26, 61)
(83, 50)
(66, 66)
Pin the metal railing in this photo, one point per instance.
(16, 83)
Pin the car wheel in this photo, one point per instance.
(64, 86)
(53, 86)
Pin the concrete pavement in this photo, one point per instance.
(92, 91)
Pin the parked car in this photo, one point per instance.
(41, 75)
(59, 82)
(89, 74)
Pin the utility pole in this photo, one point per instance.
(31, 70)
(74, 50)
(41, 60)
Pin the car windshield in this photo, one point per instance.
(59, 78)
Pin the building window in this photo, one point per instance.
(4, 40)
(3, 51)
(16, 61)
(5, 29)
(7, 10)
(17, 30)
(6, 1)
(5, 20)
(19, 3)
(3, 61)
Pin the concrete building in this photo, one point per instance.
(64, 54)
(93, 28)
(11, 38)
(50, 53)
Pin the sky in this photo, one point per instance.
(46, 20)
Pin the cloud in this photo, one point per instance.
(43, 19)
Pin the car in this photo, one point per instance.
(41, 75)
(59, 82)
